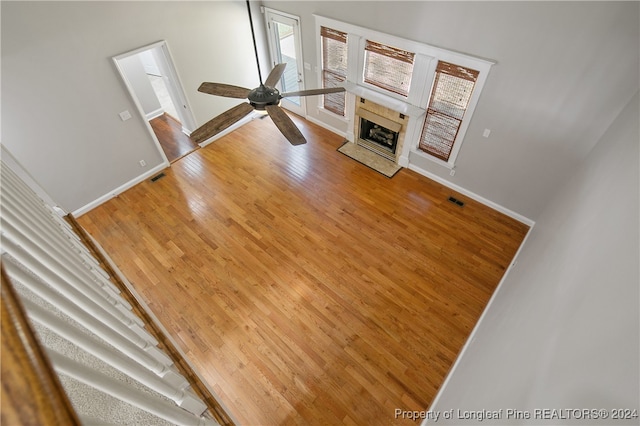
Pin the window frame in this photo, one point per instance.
(483, 67)
(381, 86)
(438, 111)
(322, 70)
(422, 81)
(421, 61)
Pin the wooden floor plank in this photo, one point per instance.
(305, 287)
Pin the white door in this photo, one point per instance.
(285, 47)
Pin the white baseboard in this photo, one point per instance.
(154, 114)
(404, 162)
(321, 124)
(472, 195)
(119, 190)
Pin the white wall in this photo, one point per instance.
(550, 96)
(61, 92)
(563, 330)
(134, 71)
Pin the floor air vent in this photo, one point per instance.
(456, 201)
(156, 177)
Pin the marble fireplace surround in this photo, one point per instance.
(398, 111)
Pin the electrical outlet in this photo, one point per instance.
(142, 163)
(452, 172)
(486, 133)
(125, 115)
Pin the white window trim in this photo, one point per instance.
(468, 62)
(422, 80)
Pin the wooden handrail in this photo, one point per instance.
(216, 409)
(31, 390)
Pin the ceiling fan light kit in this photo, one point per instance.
(265, 97)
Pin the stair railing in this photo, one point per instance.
(86, 324)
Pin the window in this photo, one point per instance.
(437, 89)
(388, 67)
(334, 67)
(452, 89)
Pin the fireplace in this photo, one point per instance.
(378, 134)
(374, 133)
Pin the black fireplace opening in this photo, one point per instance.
(379, 135)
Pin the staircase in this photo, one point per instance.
(79, 347)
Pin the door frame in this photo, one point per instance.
(294, 21)
(165, 62)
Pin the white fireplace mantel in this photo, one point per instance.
(384, 100)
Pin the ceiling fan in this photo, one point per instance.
(263, 98)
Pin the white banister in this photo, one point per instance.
(30, 254)
(30, 227)
(114, 358)
(49, 243)
(47, 217)
(110, 331)
(120, 391)
(92, 288)
(98, 308)
(51, 216)
(26, 197)
(80, 312)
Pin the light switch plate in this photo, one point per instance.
(125, 115)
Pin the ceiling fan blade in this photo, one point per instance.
(274, 75)
(285, 125)
(226, 90)
(221, 122)
(312, 92)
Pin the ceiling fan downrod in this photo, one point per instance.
(255, 46)
(265, 97)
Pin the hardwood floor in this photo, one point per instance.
(175, 144)
(305, 287)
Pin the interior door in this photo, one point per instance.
(285, 47)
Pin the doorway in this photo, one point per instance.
(158, 80)
(285, 47)
(150, 76)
